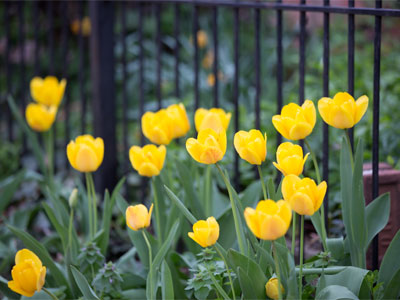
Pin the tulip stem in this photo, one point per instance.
(71, 222)
(94, 203)
(293, 234)
(301, 255)
(157, 211)
(54, 297)
(262, 182)
(350, 148)
(49, 145)
(227, 269)
(234, 212)
(278, 272)
(207, 191)
(314, 158)
(150, 264)
(90, 206)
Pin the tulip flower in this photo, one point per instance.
(40, 117)
(290, 159)
(296, 122)
(48, 91)
(304, 196)
(205, 233)
(28, 274)
(251, 146)
(202, 39)
(137, 216)
(179, 119)
(85, 154)
(158, 127)
(148, 160)
(214, 118)
(270, 220)
(271, 288)
(208, 148)
(342, 111)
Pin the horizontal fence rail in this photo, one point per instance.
(95, 97)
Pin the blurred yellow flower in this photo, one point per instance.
(271, 288)
(137, 216)
(304, 196)
(342, 111)
(40, 117)
(48, 91)
(290, 159)
(208, 59)
(214, 118)
(270, 220)
(202, 39)
(296, 122)
(180, 121)
(28, 274)
(251, 146)
(86, 26)
(209, 147)
(211, 78)
(86, 153)
(148, 160)
(205, 233)
(157, 127)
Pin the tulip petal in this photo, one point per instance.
(341, 118)
(25, 254)
(289, 186)
(300, 131)
(250, 215)
(86, 159)
(309, 112)
(149, 215)
(18, 289)
(195, 149)
(280, 127)
(302, 204)
(324, 105)
(272, 228)
(41, 279)
(321, 191)
(361, 108)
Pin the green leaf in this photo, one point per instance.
(336, 247)
(180, 205)
(246, 285)
(8, 187)
(316, 221)
(167, 285)
(83, 285)
(377, 215)
(392, 290)
(335, 292)
(390, 263)
(61, 230)
(42, 253)
(218, 286)
(134, 294)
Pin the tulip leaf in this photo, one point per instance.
(42, 253)
(390, 263)
(180, 205)
(392, 290)
(377, 215)
(336, 247)
(134, 294)
(167, 285)
(335, 292)
(83, 284)
(247, 287)
(316, 221)
(60, 209)
(8, 187)
(61, 230)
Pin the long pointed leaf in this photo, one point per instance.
(377, 215)
(83, 285)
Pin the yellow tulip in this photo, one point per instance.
(205, 233)
(28, 274)
(251, 146)
(304, 196)
(202, 39)
(40, 117)
(296, 122)
(208, 59)
(290, 159)
(270, 220)
(214, 118)
(86, 153)
(157, 127)
(208, 148)
(271, 288)
(48, 91)
(148, 160)
(179, 120)
(342, 111)
(137, 216)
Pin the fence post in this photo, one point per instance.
(103, 88)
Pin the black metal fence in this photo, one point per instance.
(53, 42)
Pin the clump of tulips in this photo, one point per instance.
(241, 242)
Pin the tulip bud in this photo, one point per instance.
(28, 274)
(137, 216)
(205, 233)
(251, 146)
(73, 198)
(179, 120)
(48, 91)
(290, 159)
(40, 117)
(214, 118)
(158, 127)
(86, 153)
(271, 288)
(148, 160)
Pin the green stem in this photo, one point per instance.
(208, 191)
(323, 229)
(49, 148)
(293, 234)
(90, 210)
(54, 297)
(327, 271)
(301, 255)
(157, 212)
(71, 221)
(278, 272)
(262, 182)
(350, 148)
(94, 203)
(234, 212)
(229, 272)
(150, 264)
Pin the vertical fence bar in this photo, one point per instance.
(196, 57)
(36, 19)
(22, 79)
(158, 41)
(350, 62)
(325, 128)
(124, 93)
(215, 66)
(302, 53)
(8, 67)
(176, 50)
(279, 70)
(236, 90)
(81, 73)
(375, 125)
(141, 70)
(257, 60)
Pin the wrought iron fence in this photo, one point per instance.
(52, 44)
